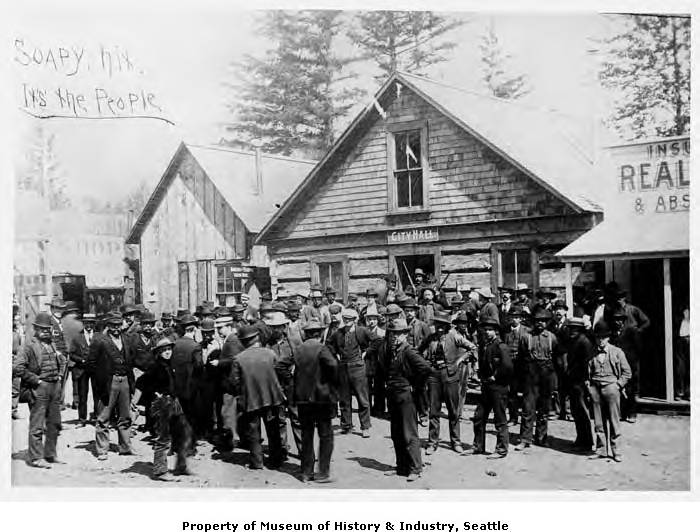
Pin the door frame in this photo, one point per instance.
(416, 249)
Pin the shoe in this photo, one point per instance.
(345, 430)
(617, 457)
(306, 478)
(365, 433)
(166, 477)
(431, 449)
(412, 477)
(102, 457)
(477, 451)
(522, 446)
(253, 467)
(323, 480)
(458, 448)
(74, 406)
(130, 452)
(41, 464)
(183, 471)
(391, 473)
(632, 419)
(55, 460)
(541, 443)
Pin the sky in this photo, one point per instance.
(184, 58)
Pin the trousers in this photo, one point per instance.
(251, 424)
(377, 393)
(316, 417)
(404, 432)
(493, 397)
(581, 415)
(628, 405)
(119, 401)
(44, 421)
(536, 397)
(171, 428)
(442, 389)
(606, 415)
(353, 382)
(291, 413)
(681, 367)
(81, 385)
(15, 393)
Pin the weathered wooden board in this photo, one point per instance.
(369, 266)
(473, 261)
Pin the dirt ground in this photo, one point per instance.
(656, 457)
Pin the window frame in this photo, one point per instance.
(497, 261)
(216, 292)
(392, 185)
(345, 274)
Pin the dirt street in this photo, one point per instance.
(656, 457)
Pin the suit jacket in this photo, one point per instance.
(315, 374)
(186, 363)
(79, 351)
(618, 361)
(455, 345)
(100, 364)
(255, 381)
(495, 361)
(142, 352)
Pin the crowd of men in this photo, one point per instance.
(299, 360)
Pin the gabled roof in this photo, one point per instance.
(233, 173)
(540, 143)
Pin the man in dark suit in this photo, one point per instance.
(560, 327)
(78, 351)
(187, 365)
(109, 361)
(315, 395)
(349, 343)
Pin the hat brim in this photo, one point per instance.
(440, 320)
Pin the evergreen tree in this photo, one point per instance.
(403, 40)
(39, 171)
(291, 98)
(496, 78)
(647, 65)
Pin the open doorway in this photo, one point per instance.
(407, 265)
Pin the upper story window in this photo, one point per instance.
(408, 160)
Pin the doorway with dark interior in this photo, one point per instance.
(407, 264)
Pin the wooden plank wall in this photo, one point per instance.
(468, 181)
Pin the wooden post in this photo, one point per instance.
(668, 329)
(609, 271)
(569, 289)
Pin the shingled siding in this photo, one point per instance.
(468, 181)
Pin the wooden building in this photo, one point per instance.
(643, 245)
(195, 234)
(433, 176)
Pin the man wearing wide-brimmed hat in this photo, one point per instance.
(315, 394)
(41, 367)
(316, 309)
(187, 366)
(255, 382)
(608, 374)
(110, 362)
(445, 350)
(537, 352)
(403, 369)
(349, 343)
(172, 430)
(428, 305)
(495, 373)
(523, 293)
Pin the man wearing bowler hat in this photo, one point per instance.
(512, 338)
(537, 352)
(315, 396)
(404, 369)
(79, 351)
(608, 373)
(495, 372)
(260, 395)
(560, 327)
(444, 350)
(110, 362)
(40, 367)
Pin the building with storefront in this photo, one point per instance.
(195, 234)
(643, 245)
(484, 190)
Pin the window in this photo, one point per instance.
(408, 169)
(183, 282)
(330, 274)
(229, 282)
(515, 267)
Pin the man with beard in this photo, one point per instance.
(315, 396)
(512, 338)
(461, 325)
(374, 381)
(254, 380)
(537, 352)
(495, 372)
(284, 365)
(404, 369)
(110, 362)
(428, 305)
(445, 350)
(40, 367)
(79, 351)
(349, 344)
(523, 298)
(187, 366)
(317, 309)
(581, 351)
(506, 294)
(171, 425)
(627, 338)
(418, 332)
(132, 317)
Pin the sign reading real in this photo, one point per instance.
(409, 236)
(655, 176)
